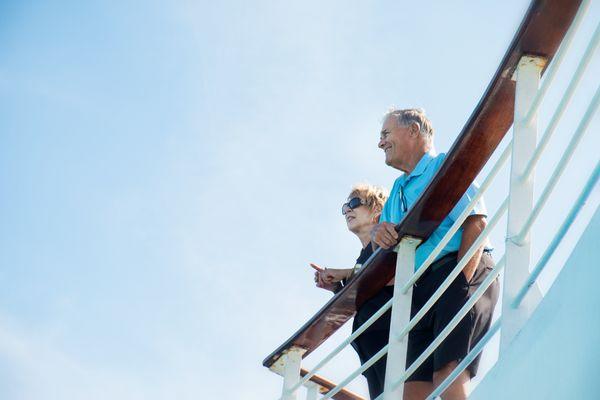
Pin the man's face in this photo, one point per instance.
(395, 141)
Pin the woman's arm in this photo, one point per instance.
(329, 278)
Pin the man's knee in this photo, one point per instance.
(442, 373)
(417, 390)
(459, 388)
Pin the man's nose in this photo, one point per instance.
(381, 143)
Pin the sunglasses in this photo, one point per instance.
(353, 203)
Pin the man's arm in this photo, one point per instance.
(472, 227)
(384, 235)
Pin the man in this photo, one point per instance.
(407, 140)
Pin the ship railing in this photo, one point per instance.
(513, 98)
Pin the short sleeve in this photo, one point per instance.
(387, 213)
(464, 201)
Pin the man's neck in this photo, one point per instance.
(412, 162)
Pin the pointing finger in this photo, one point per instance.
(317, 267)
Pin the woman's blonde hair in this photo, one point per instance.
(374, 196)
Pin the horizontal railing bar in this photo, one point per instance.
(560, 167)
(457, 269)
(466, 361)
(459, 221)
(453, 322)
(341, 346)
(564, 102)
(591, 183)
(558, 57)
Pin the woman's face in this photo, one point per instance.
(358, 218)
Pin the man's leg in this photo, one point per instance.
(468, 331)
(459, 389)
(417, 390)
(420, 384)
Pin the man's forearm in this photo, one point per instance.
(472, 228)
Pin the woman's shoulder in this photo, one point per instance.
(365, 253)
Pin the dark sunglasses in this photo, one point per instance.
(353, 203)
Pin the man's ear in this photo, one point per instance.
(375, 217)
(414, 129)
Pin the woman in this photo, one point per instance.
(362, 211)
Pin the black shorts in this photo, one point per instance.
(470, 329)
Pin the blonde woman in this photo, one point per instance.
(361, 211)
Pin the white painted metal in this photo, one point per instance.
(560, 167)
(556, 61)
(396, 358)
(564, 101)
(558, 237)
(312, 391)
(520, 204)
(291, 360)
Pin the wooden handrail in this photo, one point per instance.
(327, 385)
(540, 33)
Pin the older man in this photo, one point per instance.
(407, 140)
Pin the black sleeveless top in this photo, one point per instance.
(372, 305)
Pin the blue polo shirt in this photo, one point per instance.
(406, 191)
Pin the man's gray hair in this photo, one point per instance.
(410, 116)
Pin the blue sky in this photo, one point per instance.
(168, 170)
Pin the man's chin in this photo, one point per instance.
(391, 163)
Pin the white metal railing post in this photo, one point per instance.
(518, 254)
(289, 367)
(396, 357)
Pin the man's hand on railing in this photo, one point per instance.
(330, 278)
(384, 235)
